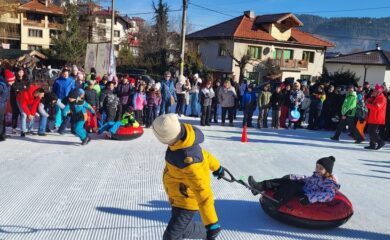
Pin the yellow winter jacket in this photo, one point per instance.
(187, 179)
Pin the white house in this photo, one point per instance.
(370, 66)
(300, 55)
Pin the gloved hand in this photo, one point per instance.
(213, 231)
(219, 173)
(304, 201)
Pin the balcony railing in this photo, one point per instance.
(291, 64)
(34, 23)
(8, 35)
(55, 25)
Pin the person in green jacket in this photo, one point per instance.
(348, 112)
(264, 103)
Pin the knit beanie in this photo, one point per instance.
(327, 163)
(9, 76)
(167, 128)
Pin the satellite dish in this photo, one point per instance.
(266, 51)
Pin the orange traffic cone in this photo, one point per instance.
(244, 136)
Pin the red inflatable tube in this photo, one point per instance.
(128, 133)
(316, 216)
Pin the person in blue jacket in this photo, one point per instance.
(7, 78)
(248, 104)
(168, 94)
(77, 109)
(62, 87)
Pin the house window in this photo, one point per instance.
(286, 54)
(305, 78)
(117, 33)
(35, 33)
(254, 52)
(102, 32)
(308, 56)
(101, 20)
(14, 15)
(222, 50)
(54, 33)
(34, 47)
(116, 47)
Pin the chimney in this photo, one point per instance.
(378, 47)
(250, 14)
(47, 3)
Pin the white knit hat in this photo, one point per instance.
(167, 128)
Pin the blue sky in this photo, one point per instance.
(200, 18)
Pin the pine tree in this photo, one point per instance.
(71, 45)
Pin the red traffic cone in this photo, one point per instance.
(244, 136)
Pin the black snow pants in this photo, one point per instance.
(181, 226)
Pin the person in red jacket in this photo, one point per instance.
(376, 116)
(28, 101)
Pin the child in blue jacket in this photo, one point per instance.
(77, 108)
(248, 105)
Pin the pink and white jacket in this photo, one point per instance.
(317, 188)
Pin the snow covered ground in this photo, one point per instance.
(53, 188)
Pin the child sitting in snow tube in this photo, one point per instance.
(126, 129)
(306, 201)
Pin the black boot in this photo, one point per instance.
(258, 186)
(372, 146)
(335, 138)
(380, 145)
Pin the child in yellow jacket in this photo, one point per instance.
(187, 180)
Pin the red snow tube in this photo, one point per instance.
(317, 215)
(128, 133)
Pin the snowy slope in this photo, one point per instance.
(52, 188)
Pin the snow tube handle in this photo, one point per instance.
(230, 177)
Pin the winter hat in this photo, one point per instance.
(327, 163)
(167, 128)
(9, 76)
(378, 87)
(74, 94)
(81, 91)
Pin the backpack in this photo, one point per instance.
(361, 111)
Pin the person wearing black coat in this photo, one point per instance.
(18, 86)
(328, 109)
(315, 108)
(109, 102)
(123, 91)
(277, 99)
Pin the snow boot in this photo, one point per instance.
(372, 146)
(259, 186)
(86, 141)
(335, 138)
(380, 145)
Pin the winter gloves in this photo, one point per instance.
(213, 231)
(220, 173)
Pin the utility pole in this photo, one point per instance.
(183, 35)
(112, 33)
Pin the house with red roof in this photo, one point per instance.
(299, 55)
(35, 23)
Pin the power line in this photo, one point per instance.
(147, 13)
(211, 10)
